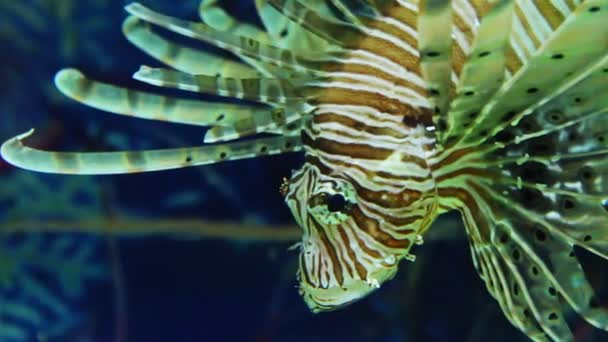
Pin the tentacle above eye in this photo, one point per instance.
(105, 163)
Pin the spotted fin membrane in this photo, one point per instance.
(518, 90)
(524, 154)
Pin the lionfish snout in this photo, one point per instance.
(331, 277)
(343, 256)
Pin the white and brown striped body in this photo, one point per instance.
(371, 132)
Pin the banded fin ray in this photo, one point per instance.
(579, 43)
(190, 60)
(182, 58)
(329, 29)
(435, 45)
(227, 121)
(528, 267)
(349, 13)
(529, 170)
(106, 163)
(533, 24)
(287, 34)
(524, 216)
(484, 71)
(360, 9)
(235, 44)
(264, 90)
(276, 120)
(579, 101)
(124, 101)
(279, 29)
(212, 14)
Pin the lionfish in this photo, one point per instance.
(404, 109)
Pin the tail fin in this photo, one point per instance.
(526, 160)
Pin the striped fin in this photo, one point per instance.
(331, 30)
(278, 26)
(188, 60)
(283, 33)
(287, 34)
(236, 44)
(529, 270)
(553, 201)
(581, 99)
(531, 178)
(212, 14)
(123, 101)
(264, 90)
(435, 46)
(272, 121)
(291, 129)
(247, 128)
(346, 9)
(576, 45)
(533, 24)
(104, 163)
(531, 201)
(483, 73)
(362, 9)
(179, 57)
(466, 16)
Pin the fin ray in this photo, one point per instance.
(275, 120)
(435, 44)
(179, 57)
(143, 105)
(236, 44)
(264, 90)
(581, 40)
(483, 73)
(331, 30)
(106, 163)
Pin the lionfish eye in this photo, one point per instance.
(330, 208)
(336, 203)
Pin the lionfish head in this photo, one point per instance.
(340, 258)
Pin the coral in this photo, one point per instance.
(43, 276)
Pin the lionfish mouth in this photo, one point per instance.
(336, 297)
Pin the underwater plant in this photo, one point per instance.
(404, 110)
(43, 277)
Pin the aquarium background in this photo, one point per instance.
(199, 254)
